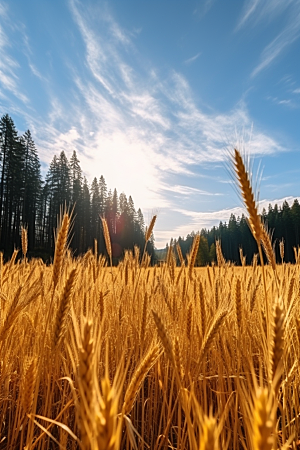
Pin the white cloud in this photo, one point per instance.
(257, 11)
(9, 67)
(187, 190)
(35, 71)
(192, 59)
(290, 34)
(249, 9)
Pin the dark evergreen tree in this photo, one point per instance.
(95, 211)
(76, 200)
(32, 188)
(11, 182)
(86, 239)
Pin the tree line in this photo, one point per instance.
(282, 222)
(28, 200)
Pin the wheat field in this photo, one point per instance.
(135, 357)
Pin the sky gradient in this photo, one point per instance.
(153, 95)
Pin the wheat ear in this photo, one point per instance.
(178, 358)
(107, 437)
(238, 304)
(220, 257)
(12, 259)
(208, 436)
(163, 337)
(189, 318)
(24, 240)
(211, 334)
(106, 237)
(281, 249)
(248, 196)
(150, 228)
(29, 385)
(86, 385)
(179, 253)
(276, 348)
(267, 245)
(138, 377)
(63, 310)
(262, 422)
(202, 309)
(60, 246)
(144, 317)
(193, 255)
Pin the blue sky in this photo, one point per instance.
(153, 94)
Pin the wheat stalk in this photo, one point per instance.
(138, 377)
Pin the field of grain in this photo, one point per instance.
(136, 357)
(142, 357)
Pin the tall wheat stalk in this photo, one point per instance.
(254, 219)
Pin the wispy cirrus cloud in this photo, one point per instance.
(248, 11)
(257, 11)
(9, 80)
(187, 190)
(289, 35)
(203, 7)
(192, 59)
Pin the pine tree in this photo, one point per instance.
(86, 240)
(95, 210)
(76, 199)
(11, 186)
(32, 187)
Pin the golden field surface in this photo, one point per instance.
(136, 357)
